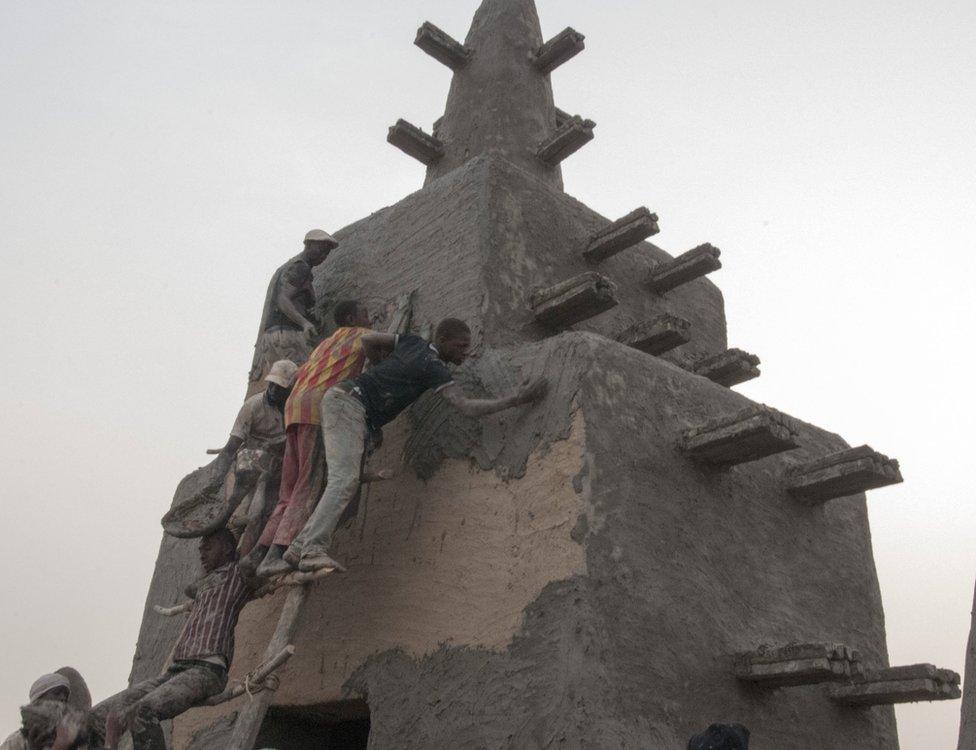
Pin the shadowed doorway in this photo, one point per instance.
(343, 725)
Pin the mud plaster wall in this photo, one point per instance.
(536, 236)
(683, 568)
(451, 561)
(429, 241)
(467, 256)
(430, 432)
(615, 657)
(696, 565)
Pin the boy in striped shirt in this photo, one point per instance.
(203, 652)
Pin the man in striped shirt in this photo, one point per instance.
(203, 652)
(338, 358)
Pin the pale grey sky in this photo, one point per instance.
(158, 160)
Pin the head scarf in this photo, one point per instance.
(46, 683)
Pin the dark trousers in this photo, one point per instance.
(141, 707)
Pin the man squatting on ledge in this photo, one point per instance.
(405, 366)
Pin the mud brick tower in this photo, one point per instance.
(641, 554)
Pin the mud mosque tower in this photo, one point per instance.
(641, 554)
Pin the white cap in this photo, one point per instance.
(282, 373)
(46, 683)
(320, 235)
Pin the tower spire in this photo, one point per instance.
(500, 101)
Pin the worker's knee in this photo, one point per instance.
(347, 487)
(143, 713)
(341, 488)
(143, 723)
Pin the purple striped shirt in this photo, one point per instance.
(209, 631)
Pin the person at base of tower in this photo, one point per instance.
(408, 366)
(203, 653)
(286, 329)
(721, 737)
(339, 357)
(49, 687)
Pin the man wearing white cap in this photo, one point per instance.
(255, 448)
(287, 328)
(49, 687)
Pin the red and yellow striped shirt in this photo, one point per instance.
(338, 358)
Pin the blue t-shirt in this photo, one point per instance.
(400, 379)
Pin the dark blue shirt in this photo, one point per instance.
(400, 379)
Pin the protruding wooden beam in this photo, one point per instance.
(842, 474)
(442, 46)
(751, 434)
(731, 367)
(657, 336)
(566, 140)
(626, 232)
(686, 267)
(883, 687)
(177, 609)
(414, 142)
(573, 300)
(566, 44)
(798, 664)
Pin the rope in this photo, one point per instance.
(272, 682)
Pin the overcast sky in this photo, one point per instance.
(159, 160)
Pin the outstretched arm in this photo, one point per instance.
(226, 455)
(481, 407)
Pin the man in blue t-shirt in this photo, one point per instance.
(407, 367)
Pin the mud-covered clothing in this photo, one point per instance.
(338, 358)
(293, 278)
(260, 425)
(209, 630)
(278, 336)
(344, 436)
(204, 650)
(392, 385)
(184, 685)
(278, 343)
(302, 480)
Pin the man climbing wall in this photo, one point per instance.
(287, 328)
(338, 358)
(408, 367)
(255, 448)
